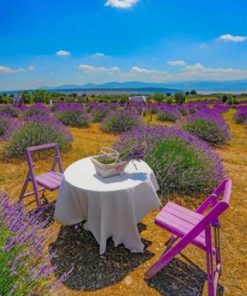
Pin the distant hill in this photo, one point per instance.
(237, 86)
(117, 86)
(233, 85)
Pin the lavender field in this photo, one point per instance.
(191, 147)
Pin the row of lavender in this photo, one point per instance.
(183, 164)
(240, 116)
(181, 156)
(32, 125)
(25, 265)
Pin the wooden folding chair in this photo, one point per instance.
(195, 227)
(50, 180)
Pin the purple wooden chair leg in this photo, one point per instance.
(24, 187)
(195, 227)
(209, 260)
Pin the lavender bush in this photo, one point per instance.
(25, 267)
(7, 126)
(183, 110)
(152, 108)
(36, 109)
(60, 107)
(4, 126)
(35, 131)
(120, 121)
(182, 163)
(9, 110)
(168, 114)
(241, 115)
(73, 118)
(208, 126)
(99, 112)
(71, 114)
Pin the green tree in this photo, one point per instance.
(169, 100)
(5, 99)
(39, 96)
(158, 98)
(180, 98)
(224, 98)
(232, 100)
(193, 92)
(27, 97)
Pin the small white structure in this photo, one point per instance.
(17, 100)
(139, 101)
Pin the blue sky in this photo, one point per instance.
(51, 42)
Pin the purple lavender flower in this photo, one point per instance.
(8, 125)
(25, 264)
(208, 126)
(9, 110)
(173, 167)
(36, 109)
(60, 107)
(241, 115)
(168, 113)
(38, 129)
(52, 121)
(120, 121)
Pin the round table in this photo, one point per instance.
(111, 206)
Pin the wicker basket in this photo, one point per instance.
(115, 167)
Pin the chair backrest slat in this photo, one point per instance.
(221, 204)
(227, 192)
(41, 147)
(213, 199)
(57, 159)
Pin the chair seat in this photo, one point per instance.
(179, 221)
(50, 180)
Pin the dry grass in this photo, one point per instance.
(234, 221)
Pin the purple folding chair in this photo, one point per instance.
(50, 180)
(195, 227)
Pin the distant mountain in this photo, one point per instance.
(118, 86)
(237, 86)
(233, 85)
(127, 85)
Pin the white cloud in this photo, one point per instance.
(62, 53)
(30, 68)
(9, 70)
(99, 54)
(232, 38)
(196, 71)
(176, 63)
(136, 69)
(93, 69)
(5, 69)
(121, 3)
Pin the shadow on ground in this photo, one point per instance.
(181, 278)
(45, 214)
(76, 248)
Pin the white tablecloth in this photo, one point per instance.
(112, 206)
